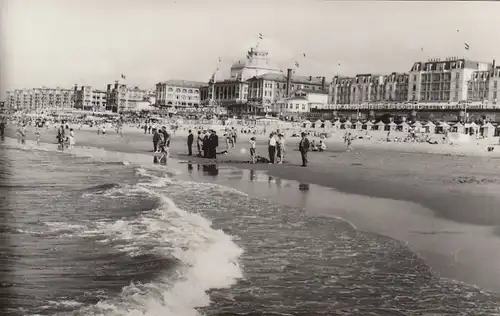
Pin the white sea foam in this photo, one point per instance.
(208, 257)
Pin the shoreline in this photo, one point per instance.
(400, 206)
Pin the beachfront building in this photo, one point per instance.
(445, 82)
(40, 99)
(369, 88)
(178, 93)
(254, 86)
(266, 90)
(232, 93)
(122, 98)
(494, 87)
(89, 99)
(302, 101)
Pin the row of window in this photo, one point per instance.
(178, 90)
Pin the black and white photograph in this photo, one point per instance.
(249, 158)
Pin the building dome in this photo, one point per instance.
(257, 63)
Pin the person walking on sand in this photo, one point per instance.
(272, 148)
(190, 141)
(199, 143)
(304, 148)
(349, 142)
(253, 156)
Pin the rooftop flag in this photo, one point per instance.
(467, 47)
(123, 76)
(261, 36)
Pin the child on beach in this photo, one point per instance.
(349, 142)
(252, 149)
(37, 135)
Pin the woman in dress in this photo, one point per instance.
(71, 138)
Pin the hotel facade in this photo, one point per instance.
(369, 88)
(40, 99)
(178, 93)
(89, 99)
(122, 98)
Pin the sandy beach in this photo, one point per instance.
(444, 203)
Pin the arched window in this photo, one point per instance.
(184, 91)
(177, 90)
(170, 90)
(183, 97)
(195, 91)
(190, 91)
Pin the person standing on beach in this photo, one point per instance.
(2, 128)
(71, 138)
(156, 140)
(214, 143)
(252, 150)
(37, 135)
(190, 141)
(272, 148)
(199, 143)
(60, 136)
(304, 148)
(281, 148)
(206, 145)
(234, 134)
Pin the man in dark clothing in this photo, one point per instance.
(61, 136)
(166, 137)
(156, 140)
(214, 143)
(2, 128)
(190, 143)
(304, 148)
(206, 146)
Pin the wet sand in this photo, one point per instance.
(447, 207)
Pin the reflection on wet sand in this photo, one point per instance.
(212, 169)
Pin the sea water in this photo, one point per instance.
(102, 233)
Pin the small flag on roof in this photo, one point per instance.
(467, 47)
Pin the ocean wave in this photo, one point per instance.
(208, 258)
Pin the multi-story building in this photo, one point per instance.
(483, 87)
(494, 89)
(369, 88)
(301, 101)
(121, 98)
(39, 99)
(178, 93)
(89, 99)
(439, 81)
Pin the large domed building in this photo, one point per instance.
(257, 63)
(254, 85)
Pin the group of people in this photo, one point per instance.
(276, 147)
(65, 137)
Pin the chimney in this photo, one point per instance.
(494, 64)
(288, 81)
(323, 82)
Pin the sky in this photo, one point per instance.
(66, 42)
